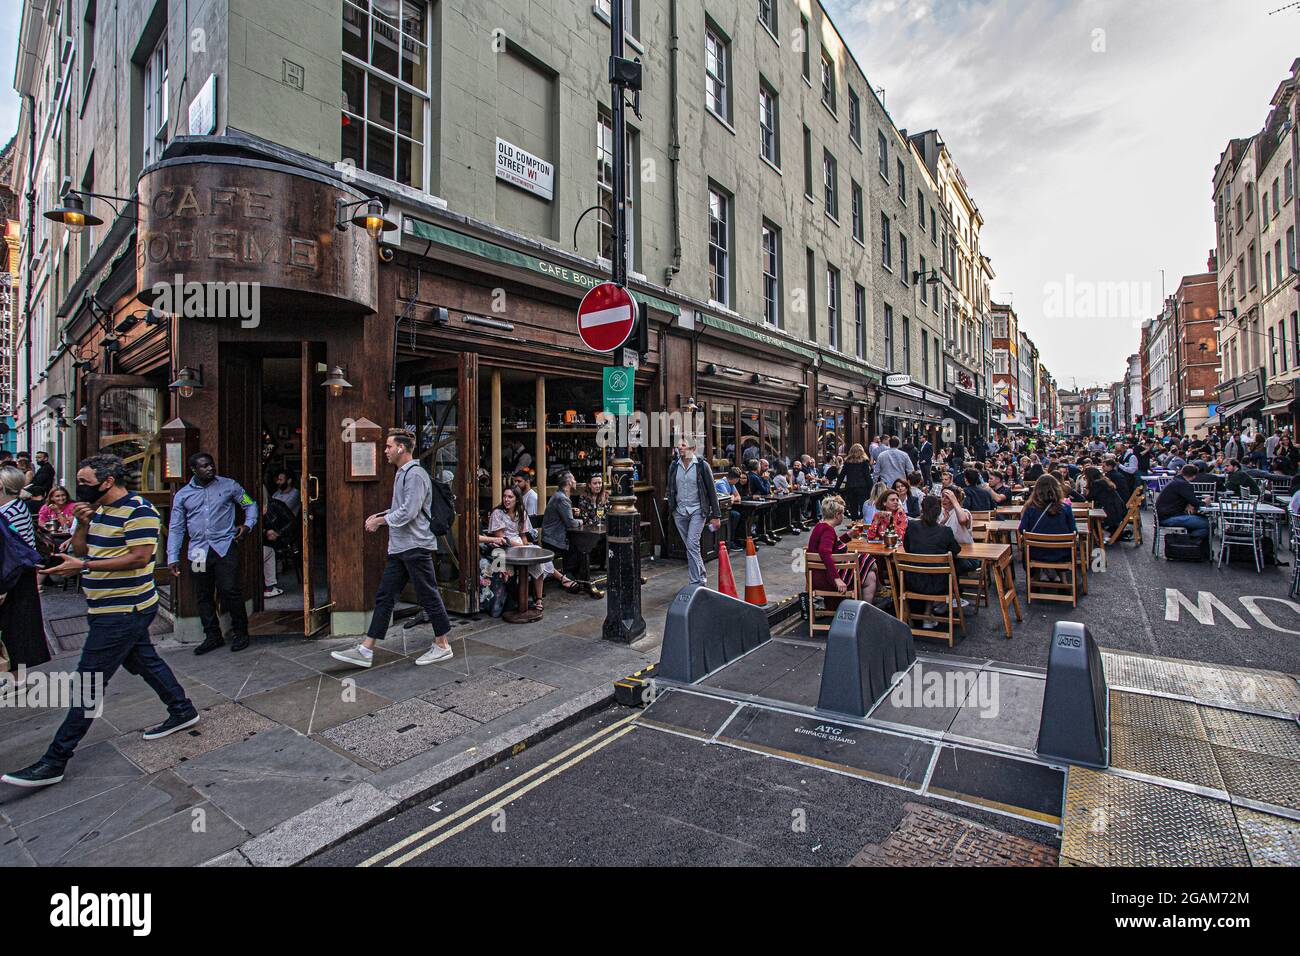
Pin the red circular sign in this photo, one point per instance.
(606, 317)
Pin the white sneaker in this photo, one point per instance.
(272, 592)
(435, 654)
(353, 656)
(929, 625)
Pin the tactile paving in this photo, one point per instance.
(1259, 777)
(1158, 753)
(1270, 840)
(1237, 687)
(1117, 821)
(1261, 735)
(1158, 714)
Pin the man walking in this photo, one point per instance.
(693, 500)
(205, 510)
(893, 463)
(925, 459)
(411, 543)
(113, 549)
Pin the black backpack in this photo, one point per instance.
(1181, 547)
(444, 508)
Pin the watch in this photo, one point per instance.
(85, 564)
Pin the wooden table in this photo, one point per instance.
(996, 557)
(760, 509)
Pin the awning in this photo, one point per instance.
(960, 414)
(1236, 408)
(1170, 418)
(1277, 408)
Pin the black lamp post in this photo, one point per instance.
(623, 620)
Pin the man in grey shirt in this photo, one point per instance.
(410, 555)
(692, 500)
(893, 463)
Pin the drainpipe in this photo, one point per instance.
(674, 145)
(31, 248)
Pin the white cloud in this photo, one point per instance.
(1084, 163)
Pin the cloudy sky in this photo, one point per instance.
(1087, 130)
(1088, 133)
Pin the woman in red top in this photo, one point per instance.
(889, 512)
(826, 542)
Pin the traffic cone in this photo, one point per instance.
(726, 580)
(755, 593)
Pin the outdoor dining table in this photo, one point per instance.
(786, 511)
(1095, 517)
(1276, 516)
(760, 509)
(585, 540)
(521, 559)
(996, 557)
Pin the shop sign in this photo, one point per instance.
(897, 381)
(203, 108)
(521, 168)
(617, 391)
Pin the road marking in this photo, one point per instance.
(407, 841)
(1203, 610)
(506, 801)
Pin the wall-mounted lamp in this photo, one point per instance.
(71, 211)
(55, 402)
(710, 369)
(932, 279)
(689, 404)
(370, 215)
(83, 416)
(336, 380)
(188, 381)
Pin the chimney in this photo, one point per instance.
(1213, 264)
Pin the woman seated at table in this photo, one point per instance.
(826, 542)
(57, 509)
(889, 514)
(1101, 492)
(911, 503)
(509, 527)
(931, 535)
(593, 504)
(1047, 512)
(869, 506)
(956, 518)
(780, 478)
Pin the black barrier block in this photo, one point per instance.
(705, 629)
(1074, 728)
(865, 648)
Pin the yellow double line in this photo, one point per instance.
(439, 832)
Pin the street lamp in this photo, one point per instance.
(373, 218)
(336, 380)
(71, 212)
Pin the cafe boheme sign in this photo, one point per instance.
(212, 220)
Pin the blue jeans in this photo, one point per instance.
(1196, 526)
(118, 640)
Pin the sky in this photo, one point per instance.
(1087, 131)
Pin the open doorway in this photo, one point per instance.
(287, 431)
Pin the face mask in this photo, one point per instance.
(90, 493)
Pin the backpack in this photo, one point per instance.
(444, 509)
(1181, 547)
(1239, 554)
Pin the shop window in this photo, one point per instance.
(751, 441)
(722, 431)
(773, 434)
(129, 419)
(156, 99)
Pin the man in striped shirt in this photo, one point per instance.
(113, 549)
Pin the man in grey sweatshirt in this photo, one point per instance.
(411, 543)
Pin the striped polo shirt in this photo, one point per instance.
(115, 529)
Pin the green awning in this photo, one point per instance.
(493, 252)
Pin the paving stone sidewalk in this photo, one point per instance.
(295, 749)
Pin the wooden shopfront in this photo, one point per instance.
(492, 378)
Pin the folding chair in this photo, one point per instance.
(813, 562)
(1068, 546)
(1239, 521)
(911, 566)
(1132, 519)
(976, 584)
(1295, 554)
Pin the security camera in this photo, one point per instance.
(386, 254)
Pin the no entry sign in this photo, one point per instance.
(606, 317)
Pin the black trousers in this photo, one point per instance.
(853, 499)
(415, 566)
(220, 575)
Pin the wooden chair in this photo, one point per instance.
(813, 562)
(933, 565)
(1068, 545)
(976, 584)
(1132, 519)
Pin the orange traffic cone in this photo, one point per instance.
(726, 580)
(755, 593)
